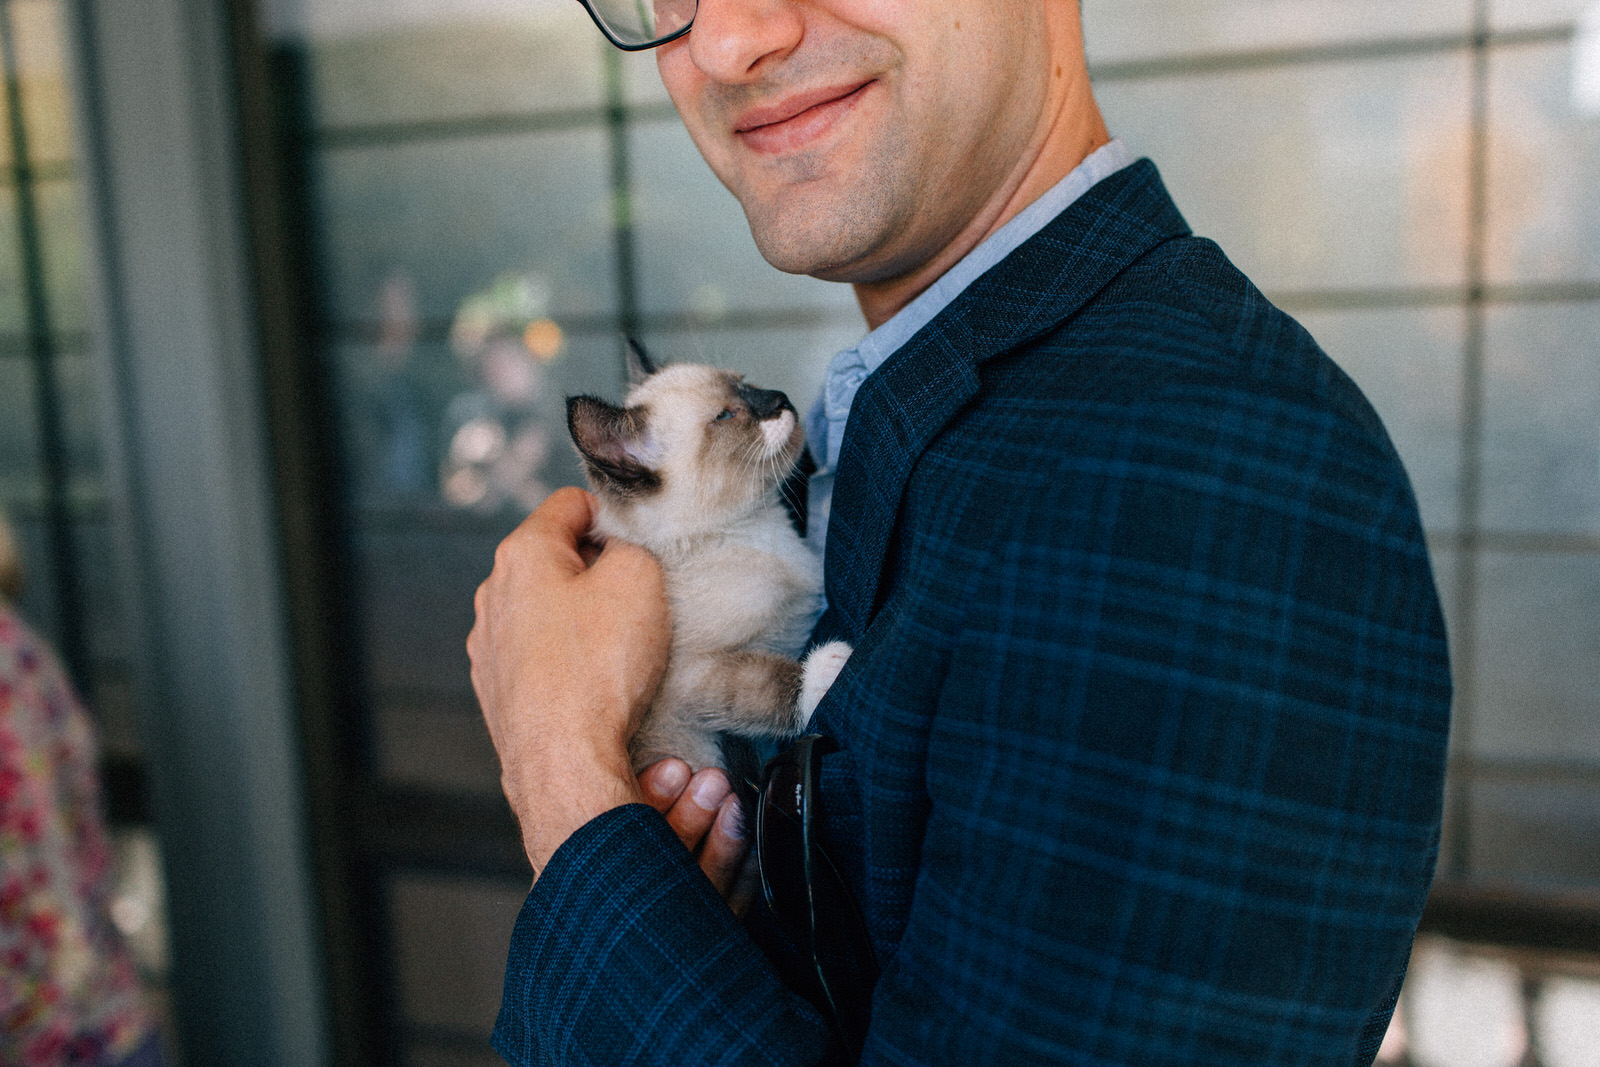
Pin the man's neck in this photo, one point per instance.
(1075, 130)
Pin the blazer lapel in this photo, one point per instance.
(902, 407)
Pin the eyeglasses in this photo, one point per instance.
(808, 895)
(634, 25)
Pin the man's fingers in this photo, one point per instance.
(663, 783)
(722, 855)
(563, 520)
(570, 509)
(706, 815)
(745, 885)
(690, 806)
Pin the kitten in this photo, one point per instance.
(690, 468)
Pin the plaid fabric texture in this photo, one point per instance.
(1143, 740)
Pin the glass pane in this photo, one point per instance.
(1315, 176)
(20, 470)
(1522, 14)
(1408, 362)
(695, 251)
(1138, 29)
(478, 423)
(1544, 216)
(448, 217)
(450, 948)
(417, 580)
(80, 416)
(42, 70)
(61, 230)
(641, 82)
(1538, 658)
(108, 688)
(7, 154)
(59, 215)
(392, 398)
(436, 744)
(1541, 836)
(1541, 431)
(407, 62)
(21, 447)
(13, 314)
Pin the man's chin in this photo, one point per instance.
(827, 248)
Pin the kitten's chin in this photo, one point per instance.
(783, 440)
(779, 434)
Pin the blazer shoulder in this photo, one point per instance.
(1182, 362)
(1183, 315)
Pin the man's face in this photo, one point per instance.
(862, 136)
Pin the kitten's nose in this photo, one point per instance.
(763, 403)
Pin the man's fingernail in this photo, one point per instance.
(708, 791)
(731, 821)
(669, 780)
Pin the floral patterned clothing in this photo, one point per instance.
(69, 993)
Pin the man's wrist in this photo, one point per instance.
(556, 797)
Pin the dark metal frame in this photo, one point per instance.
(629, 46)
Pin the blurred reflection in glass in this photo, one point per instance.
(392, 393)
(1586, 63)
(500, 432)
(398, 401)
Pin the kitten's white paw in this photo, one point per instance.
(821, 667)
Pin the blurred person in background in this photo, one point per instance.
(70, 993)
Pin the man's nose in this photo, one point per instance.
(733, 41)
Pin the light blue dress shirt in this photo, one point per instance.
(826, 421)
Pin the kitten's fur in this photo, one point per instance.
(690, 468)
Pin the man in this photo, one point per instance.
(1141, 748)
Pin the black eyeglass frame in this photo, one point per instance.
(849, 1019)
(629, 46)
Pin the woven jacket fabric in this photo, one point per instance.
(1142, 744)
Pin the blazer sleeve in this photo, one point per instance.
(623, 953)
(1185, 773)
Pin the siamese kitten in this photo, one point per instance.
(689, 467)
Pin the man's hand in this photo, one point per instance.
(705, 813)
(567, 652)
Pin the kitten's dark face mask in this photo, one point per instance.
(691, 440)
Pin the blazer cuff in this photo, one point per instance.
(624, 952)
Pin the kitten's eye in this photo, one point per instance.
(724, 415)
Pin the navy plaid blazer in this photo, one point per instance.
(1143, 740)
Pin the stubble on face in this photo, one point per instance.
(956, 116)
(826, 207)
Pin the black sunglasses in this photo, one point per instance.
(806, 893)
(634, 25)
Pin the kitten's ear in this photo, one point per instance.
(611, 442)
(640, 365)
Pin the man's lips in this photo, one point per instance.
(796, 119)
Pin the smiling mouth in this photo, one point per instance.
(796, 120)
